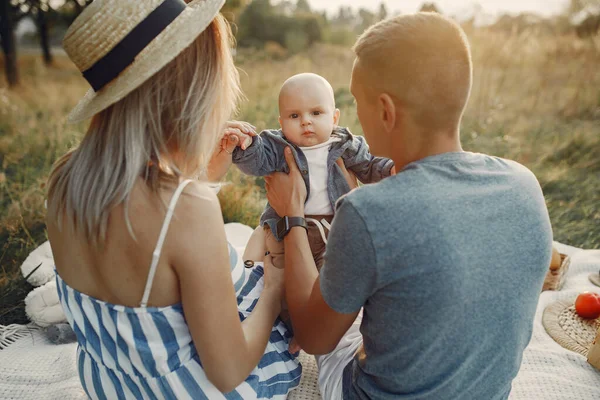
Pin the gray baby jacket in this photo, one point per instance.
(265, 156)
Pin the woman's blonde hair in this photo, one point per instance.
(166, 129)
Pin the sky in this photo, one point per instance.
(452, 7)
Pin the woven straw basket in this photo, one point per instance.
(567, 328)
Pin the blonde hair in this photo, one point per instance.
(424, 61)
(165, 129)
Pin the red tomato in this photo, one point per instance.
(587, 305)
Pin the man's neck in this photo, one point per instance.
(420, 145)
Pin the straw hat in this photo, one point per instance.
(119, 44)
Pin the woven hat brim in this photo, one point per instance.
(159, 52)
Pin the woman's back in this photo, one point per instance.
(131, 350)
(117, 272)
(138, 351)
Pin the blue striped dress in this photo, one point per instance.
(148, 353)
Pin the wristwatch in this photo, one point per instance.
(286, 223)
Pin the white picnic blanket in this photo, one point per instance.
(548, 371)
(34, 368)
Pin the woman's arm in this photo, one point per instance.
(228, 349)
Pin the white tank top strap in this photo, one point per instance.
(161, 240)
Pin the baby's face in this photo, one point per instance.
(307, 112)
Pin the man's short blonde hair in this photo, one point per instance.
(424, 61)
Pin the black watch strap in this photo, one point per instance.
(285, 224)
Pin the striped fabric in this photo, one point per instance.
(238, 270)
(148, 353)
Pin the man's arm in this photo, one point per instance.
(317, 327)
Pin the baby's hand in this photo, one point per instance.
(241, 132)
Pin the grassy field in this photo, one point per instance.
(535, 100)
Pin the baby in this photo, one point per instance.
(309, 125)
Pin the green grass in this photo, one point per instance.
(535, 100)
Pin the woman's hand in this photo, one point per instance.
(287, 192)
(236, 132)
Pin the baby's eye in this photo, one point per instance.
(317, 113)
(294, 116)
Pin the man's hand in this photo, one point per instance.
(350, 177)
(287, 192)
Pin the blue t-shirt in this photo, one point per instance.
(447, 258)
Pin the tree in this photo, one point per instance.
(12, 11)
(584, 16)
(367, 18)
(40, 8)
(302, 6)
(383, 12)
(311, 26)
(71, 9)
(430, 7)
(345, 17)
(231, 10)
(590, 26)
(285, 7)
(257, 23)
(39, 11)
(576, 6)
(8, 42)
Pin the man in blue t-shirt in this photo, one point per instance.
(446, 259)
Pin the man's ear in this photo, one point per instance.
(388, 112)
(336, 117)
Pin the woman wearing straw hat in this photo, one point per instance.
(144, 271)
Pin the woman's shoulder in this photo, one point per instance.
(200, 190)
(196, 229)
(197, 207)
(193, 210)
(197, 195)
